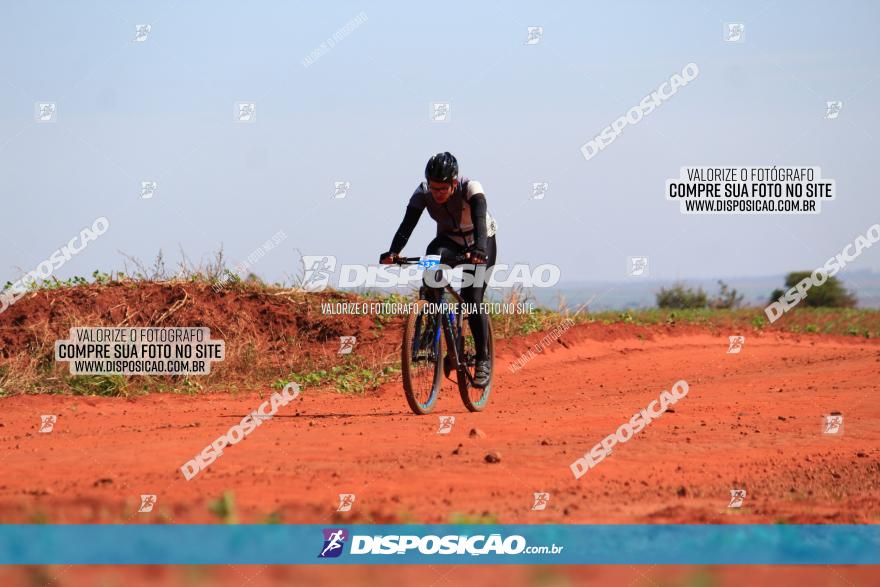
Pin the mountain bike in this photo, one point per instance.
(428, 329)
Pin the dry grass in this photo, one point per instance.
(271, 336)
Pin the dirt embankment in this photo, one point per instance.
(269, 333)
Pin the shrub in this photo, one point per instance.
(727, 298)
(679, 297)
(830, 294)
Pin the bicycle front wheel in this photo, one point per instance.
(421, 358)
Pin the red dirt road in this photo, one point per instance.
(751, 420)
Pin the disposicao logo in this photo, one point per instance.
(334, 540)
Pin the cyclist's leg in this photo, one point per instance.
(473, 294)
(446, 247)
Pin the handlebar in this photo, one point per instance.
(444, 260)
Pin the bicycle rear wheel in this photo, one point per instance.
(474, 398)
(421, 358)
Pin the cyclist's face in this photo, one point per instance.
(442, 191)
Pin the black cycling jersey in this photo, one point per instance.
(464, 217)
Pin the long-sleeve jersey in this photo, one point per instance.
(464, 217)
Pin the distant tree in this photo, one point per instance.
(727, 298)
(830, 294)
(680, 297)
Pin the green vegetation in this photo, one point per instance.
(456, 518)
(830, 294)
(105, 385)
(224, 508)
(841, 321)
(273, 518)
(681, 297)
(347, 378)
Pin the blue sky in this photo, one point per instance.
(162, 110)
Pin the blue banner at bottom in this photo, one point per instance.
(441, 544)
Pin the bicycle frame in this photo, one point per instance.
(454, 339)
(450, 327)
(422, 334)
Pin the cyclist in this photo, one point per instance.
(464, 227)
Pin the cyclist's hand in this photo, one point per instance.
(388, 258)
(477, 257)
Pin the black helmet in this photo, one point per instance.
(442, 167)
